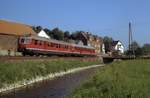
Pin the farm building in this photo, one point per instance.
(9, 33)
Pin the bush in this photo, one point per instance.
(14, 71)
(126, 79)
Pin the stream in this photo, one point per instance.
(59, 87)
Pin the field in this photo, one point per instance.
(123, 79)
(14, 71)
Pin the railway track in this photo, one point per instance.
(13, 58)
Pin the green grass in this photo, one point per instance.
(14, 71)
(124, 79)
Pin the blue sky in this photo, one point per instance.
(101, 17)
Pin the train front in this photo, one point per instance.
(23, 44)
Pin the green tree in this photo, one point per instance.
(75, 35)
(47, 30)
(107, 39)
(49, 33)
(58, 34)
(135, 49)
(66, 36)
(134, 45)
(107, 42)
(146, 49)
(37, 29)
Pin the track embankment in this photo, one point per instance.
(16, 74)
(13, 58)
(24, 83)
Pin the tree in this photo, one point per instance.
(37, 29)
(146, 49)
(66, 36)
(107, 43)
(138, 51)
(134, 45)
(135, 49)
(49, 33)
(58, 34)
(47, 30)
(75, 35)
(107, 39)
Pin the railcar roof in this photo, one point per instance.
(59, 42)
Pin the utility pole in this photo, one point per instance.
(131, 46)
(130, 31)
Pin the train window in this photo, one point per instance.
(60, 46)
(27, 41)
(66, 47)
(22, 40)
(57, 46)
(63, 46)
(40, 42)
(35, 42)
(48, 44)
(52, 44)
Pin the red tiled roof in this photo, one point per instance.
(12, 28)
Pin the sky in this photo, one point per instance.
(100, 17)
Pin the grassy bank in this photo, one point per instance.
(14, 71)
(125, 79)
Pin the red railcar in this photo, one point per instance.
(42, 46)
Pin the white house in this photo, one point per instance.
(118, 46)
(42, 33)
(103, 48)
